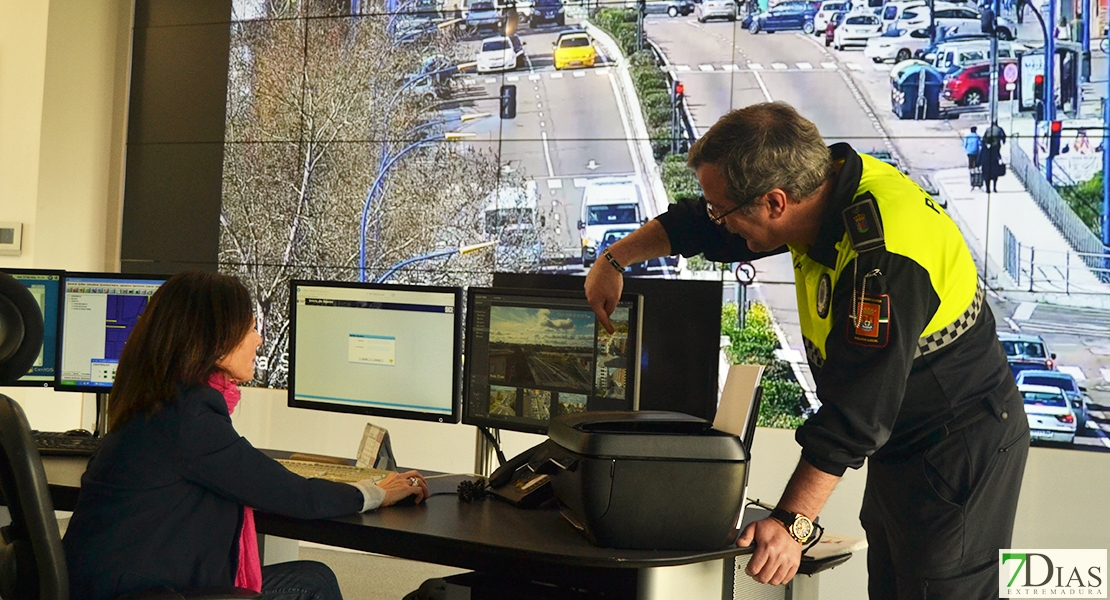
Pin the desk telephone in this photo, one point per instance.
(525, 481)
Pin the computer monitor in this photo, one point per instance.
(681, 341)
(99, 311)
(535, 354)
(45, 285)
(374, 349)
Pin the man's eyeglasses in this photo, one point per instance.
(716, 218)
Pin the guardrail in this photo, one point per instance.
(1049, 271)
(1084, 241)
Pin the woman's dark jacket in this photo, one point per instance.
(162, 501)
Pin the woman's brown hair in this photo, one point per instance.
(191, 322)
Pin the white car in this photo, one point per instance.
(500, 53)
(1050, 417)
(892, 11)
(856, 29)
(715, 9)
(897, 45)
(828, 7)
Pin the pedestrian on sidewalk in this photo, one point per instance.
(990, 161)
(972, 145)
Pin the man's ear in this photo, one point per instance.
(776, 203)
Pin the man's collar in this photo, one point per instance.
(840, 196)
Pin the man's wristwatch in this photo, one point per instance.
(798, 526)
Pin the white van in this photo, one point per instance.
(607, 203)
(950, 57)
(511, 219)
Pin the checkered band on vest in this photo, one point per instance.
(935, 341)
(812, 353)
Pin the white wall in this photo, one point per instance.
(63, 92)
(64, 68)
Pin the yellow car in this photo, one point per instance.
(574, 50)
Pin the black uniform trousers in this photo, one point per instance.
(936, 515)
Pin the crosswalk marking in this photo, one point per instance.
(828, 65)
(556, 75)
(805, 65)
(534, 77)
(580, 182)
(854, 67)
(730, 67)
(682, 67)
(511, 78)
(881, 67)
(706, 68)
(554, 184)
(780, 66)
(1076, 372)
(491, 80)
(579, 73)
(1105, 374)
(755, 66)
(602, 72)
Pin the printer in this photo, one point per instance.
(648, 480)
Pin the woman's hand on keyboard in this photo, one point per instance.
(401, 486)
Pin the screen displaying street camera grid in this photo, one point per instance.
(356, 140)
(532, 356)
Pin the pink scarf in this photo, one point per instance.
(249, 575)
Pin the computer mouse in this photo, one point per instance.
(79, 433)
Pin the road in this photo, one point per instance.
(567, 130)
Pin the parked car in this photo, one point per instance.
(610, 237)
(834, 21)
(500, 53)
(788, 16)
(1025, 351)
(671, 8)
(1050, 418)
(949, 57)
(547, 11)
(1075, 393)
(970, 86)
(856, 29)
(897, 45)
(828, 8)
(892, 11)
(483, 14)
(574, 49)
(714, 9)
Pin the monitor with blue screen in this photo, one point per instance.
(376, 349)
(45, 287)
(99, 311)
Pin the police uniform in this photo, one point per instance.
(909, 372)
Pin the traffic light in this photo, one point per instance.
(987, 20)
(1054, 138)
(508, 102)
(679, 93)
(1038, 97)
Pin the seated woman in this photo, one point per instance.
(166, 501)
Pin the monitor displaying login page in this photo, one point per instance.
(388, 350)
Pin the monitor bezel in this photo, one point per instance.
(58, 319)
(456, 369)
(80, 387)
(636, 300)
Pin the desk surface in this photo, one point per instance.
(485, 535)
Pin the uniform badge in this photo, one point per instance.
(862, 222)
(872, 323)
(824, 291)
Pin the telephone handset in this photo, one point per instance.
(525, 480)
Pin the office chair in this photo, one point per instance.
(32, 560)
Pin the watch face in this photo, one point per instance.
(802, 528)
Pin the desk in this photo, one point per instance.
(502, 541)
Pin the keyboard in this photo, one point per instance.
(56, 443)
(340, 473)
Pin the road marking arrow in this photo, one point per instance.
(592, 164)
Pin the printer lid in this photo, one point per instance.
(644, 435)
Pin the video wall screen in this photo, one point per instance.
(438, 141)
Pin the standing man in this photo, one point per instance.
(903, 348)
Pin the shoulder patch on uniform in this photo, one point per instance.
(864, 226)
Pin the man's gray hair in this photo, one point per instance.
(762, 147)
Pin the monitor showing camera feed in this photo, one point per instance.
(387, 350)
(45, 287)
(99, 311)
(532, 355)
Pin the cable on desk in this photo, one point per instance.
(496, 443)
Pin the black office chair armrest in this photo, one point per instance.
(230, 593)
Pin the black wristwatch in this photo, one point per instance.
(798, 526)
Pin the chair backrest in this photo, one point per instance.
(32, 561)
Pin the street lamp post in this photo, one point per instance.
(437, 254)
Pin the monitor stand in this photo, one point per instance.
(484, 458)
(101, 426)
